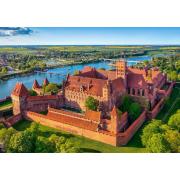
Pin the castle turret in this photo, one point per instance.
(35, 85)
(121, 66)
(114, 120)
(46, 82)
(107, 94)
(19, 95)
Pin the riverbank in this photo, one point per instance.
(30, 72)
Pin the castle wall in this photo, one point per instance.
(95, 135)
(12, 120)
(124, 138)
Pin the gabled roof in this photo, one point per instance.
(20, 90)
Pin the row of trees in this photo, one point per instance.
(158, 137)
(32, 140)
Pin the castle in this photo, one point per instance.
(108, 87)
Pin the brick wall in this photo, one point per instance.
(123, 138)
(101, 136)
(12, 120)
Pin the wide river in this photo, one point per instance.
(7, 86)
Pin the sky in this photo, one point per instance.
(89, 36)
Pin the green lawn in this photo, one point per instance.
(5, 105)
(86, 144)
(171, 105)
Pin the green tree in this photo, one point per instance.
(92, 103)
(152, 128)
(174, 121)
(126, 102)
(52, 87)
(134, 111)
(20, 142)
(173, 76)
(5, 135)
(44, 145)
(173, 138)
(158, 144)
(4, 70)
(32, 92)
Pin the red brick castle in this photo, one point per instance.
(108, 87)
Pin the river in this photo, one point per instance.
(7, 86)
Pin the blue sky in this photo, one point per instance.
(89, 36)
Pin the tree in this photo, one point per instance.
(134, 111)
(173, 76)
(20, 142)
(32, 92)
(173, 138)
(158, 144)
(44, 145)
(5, 135)
(4, 70)
(91, 103)
(174, 121)
(68, 147)
(125, 105)
(52, 87)
(152, 128)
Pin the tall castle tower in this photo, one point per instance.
(121, 66)
(19, 95)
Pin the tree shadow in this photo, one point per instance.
(88, 150)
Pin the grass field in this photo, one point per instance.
(5, 105)
(171, 105)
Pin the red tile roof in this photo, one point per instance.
(20, 90)
(41, 98)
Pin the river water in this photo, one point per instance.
(7, 86)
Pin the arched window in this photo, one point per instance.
(133, 91)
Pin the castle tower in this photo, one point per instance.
(121, 66)
(114, 120)
(35, 85)
(46, 82)
(107, 94)
(19, 95)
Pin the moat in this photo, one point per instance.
(7, 86)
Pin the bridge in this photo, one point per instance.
(114, 60)
(51, 73)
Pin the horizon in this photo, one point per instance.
(92, 36)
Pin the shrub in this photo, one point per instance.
(52, 87)
(126, 102)
(32, 92)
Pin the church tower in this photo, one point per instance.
(19, 95)
(121, 66)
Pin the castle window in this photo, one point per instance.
(129, 91)
(133, 91)
(139, 92)
(143, 92)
